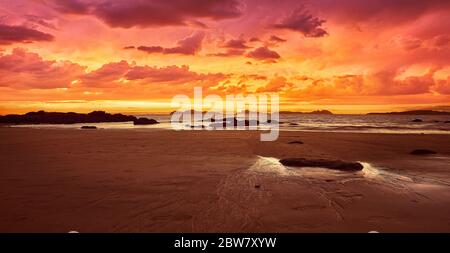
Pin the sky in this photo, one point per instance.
(133, 56)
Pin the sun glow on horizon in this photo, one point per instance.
(315, 56)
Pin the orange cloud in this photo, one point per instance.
(382, 83)
(275, 85)
(22, 69)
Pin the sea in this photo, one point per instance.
(370, 123)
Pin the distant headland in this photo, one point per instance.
(42, 117)
(413, 112)
(326, 112)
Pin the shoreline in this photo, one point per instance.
(153, 127)
(219, 181)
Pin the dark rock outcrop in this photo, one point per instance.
(417, 120)
(42, 117)
(145, 121)
(88, 127)
(423, 152)
(295, 142)
(322, 163)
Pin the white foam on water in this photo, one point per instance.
(370, 171)
(269, 165)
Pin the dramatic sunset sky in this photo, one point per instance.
(348, 56)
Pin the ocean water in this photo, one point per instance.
(367, 123)
(431, 124)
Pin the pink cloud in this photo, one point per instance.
(130, 13)
(380, 10)
(170, 74)
(188, 46)
(236, 44)
(20, 34)
(276, 39)
(22, 69)
(71, 6)
(229, 53)
(263, 54)
(302, 21)
(106, 75)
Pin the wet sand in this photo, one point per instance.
(58, 180)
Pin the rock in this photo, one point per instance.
(272, 121)
(257, 186)
(42, 117)
(295, 142)
(329, 164)
(417, 120)
(198, 126)
(447, 121)
(423, 152)
(233, 122)
(293, 124)
(250, 122)
(145, 121)
(88, 127)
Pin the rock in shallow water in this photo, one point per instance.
(145, 121)
(88, 127)
(423, 152)
(295, 142)
(322, 163)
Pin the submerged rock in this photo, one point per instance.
(329, 164)
(197, 127)
(145, 121)
(88, 127)
(295, 142)
(417, 120)
(423, 152)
